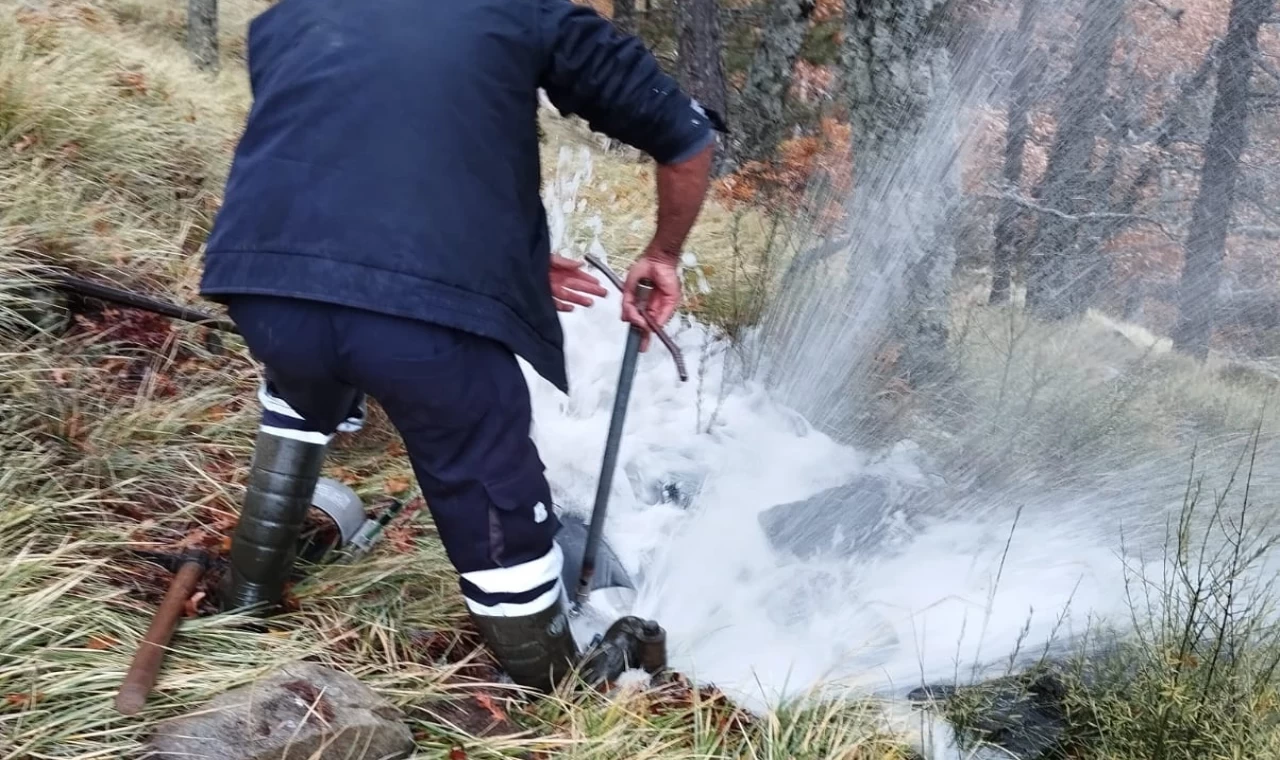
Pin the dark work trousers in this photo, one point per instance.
(461, 405)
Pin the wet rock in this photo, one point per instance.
(843, 520)
(1025, 716)
(303, 711)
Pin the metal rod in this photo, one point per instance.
(151, 651)
(625, 378)
(676, 354)
(139, 301)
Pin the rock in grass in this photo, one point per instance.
(1023, 715)
(300, 711)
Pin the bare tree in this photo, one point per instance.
(896, 68)
(1058, 276)
(202, 33)
(624, 15)
(760, 112)
(1008, 239)
(1211, 215)
(700, 70)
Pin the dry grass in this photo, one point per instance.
(126, 432)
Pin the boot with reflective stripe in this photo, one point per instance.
(263, 550)
(536, 650)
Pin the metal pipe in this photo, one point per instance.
(145, 666)
(625, 378)
(676, 354)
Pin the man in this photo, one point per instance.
(382, 233)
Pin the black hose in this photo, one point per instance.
(138, 301)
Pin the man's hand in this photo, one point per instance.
(681, 189)
(569, 283)
(660, 267)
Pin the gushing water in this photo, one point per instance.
(790, 541)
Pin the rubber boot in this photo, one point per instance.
(264, 548)
(536, 650)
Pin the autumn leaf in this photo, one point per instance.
(399, 538)
(396, 485)
(133, 81)
(288, 601)
(74, 427)
(457, 753)
(22, 700)
(25, 142)
(486, 701)
(100, 643)
(197, 537)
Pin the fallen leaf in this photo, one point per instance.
(24, 700)
(457, 753)
(399, 538)
(100, 643)
(74, 427)
(288, 601)
(396, 485)
(486, 701)
(134, 81)
(195, 538)
(24, 142)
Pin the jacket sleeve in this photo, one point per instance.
(609, 79)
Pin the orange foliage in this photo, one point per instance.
(810, 82)
(782, 181)
(827, 10)
(1163, 46)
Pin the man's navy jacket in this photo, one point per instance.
(390, 160)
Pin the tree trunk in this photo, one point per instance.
(701, 71)
(202, 33)
(896, 68)
(1207, 235)
(1007, 237)
(760, 114)
(624, 15)
(1059, 270)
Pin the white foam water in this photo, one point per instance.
(950, 594)
(760, 625)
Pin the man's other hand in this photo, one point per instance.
(660, 267)
(570, 284)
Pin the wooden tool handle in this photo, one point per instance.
(146, 661)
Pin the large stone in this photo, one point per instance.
(848, 520)
(301, 711)
(1024, 716)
